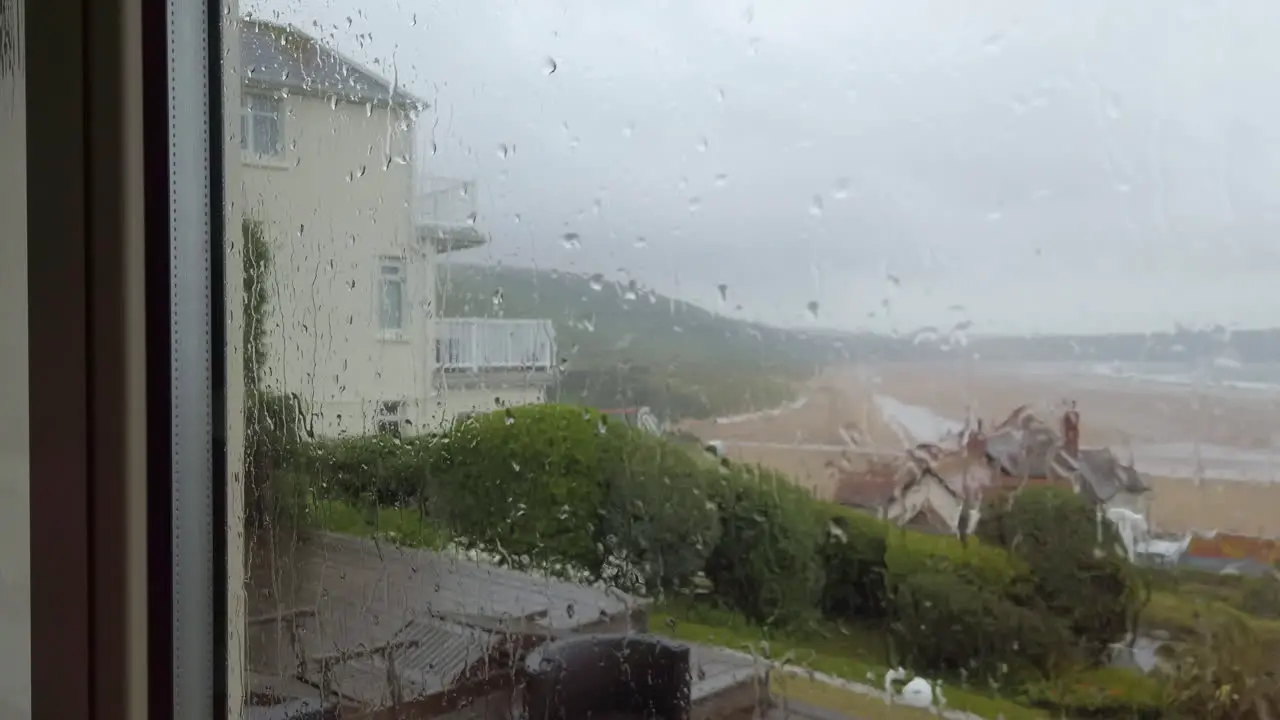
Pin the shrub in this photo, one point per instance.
(1072, 554)
(527, 484)
(659, 524)
(765, 564)
(1261, 596)
(1228, 672)
(375, 469)
(975, 562)
(1102, 693)
(853, 564)
(944, 623)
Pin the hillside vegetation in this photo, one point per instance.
(623, 346)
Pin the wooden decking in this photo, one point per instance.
(376, 624)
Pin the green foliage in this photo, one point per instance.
(274, 424)
(528, 483)
(766, 564)
(1261, 596)
(659, 521)
(943, 622)
(1071, 550)
(853, 562)
(1228, 673)
(377, 469)
(1109, 693)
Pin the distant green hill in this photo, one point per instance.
(599, 322)
(625, 345)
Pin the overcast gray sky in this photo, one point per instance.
(1048, 166)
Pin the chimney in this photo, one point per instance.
(976, 444)
(1071, 431)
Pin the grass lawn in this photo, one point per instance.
(849, 653)
(1179, 615)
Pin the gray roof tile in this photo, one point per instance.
(282, 56)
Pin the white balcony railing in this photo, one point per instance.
(481, 344)
(444, 211)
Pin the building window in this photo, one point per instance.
(391, 295)
(390, 418)
(260, 125)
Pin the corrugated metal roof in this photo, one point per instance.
(282, 56)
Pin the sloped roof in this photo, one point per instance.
(282, 56)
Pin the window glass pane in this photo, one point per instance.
(15, 466)
(923, 346)
(392, 305)
(266, 134)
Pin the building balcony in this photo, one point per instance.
(444, 214)
(485, 345)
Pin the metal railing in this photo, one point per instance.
(480, 344)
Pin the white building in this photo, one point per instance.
(329, 177)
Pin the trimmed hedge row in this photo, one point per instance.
(555, 486)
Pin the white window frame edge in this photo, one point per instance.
(191, 376)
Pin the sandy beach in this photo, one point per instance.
(1205, 450)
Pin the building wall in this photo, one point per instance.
(332, 208)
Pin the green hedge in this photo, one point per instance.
(561, 487)
(767, 563)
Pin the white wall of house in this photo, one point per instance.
(336, 212)
(15, 423)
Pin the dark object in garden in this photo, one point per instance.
(608, 676)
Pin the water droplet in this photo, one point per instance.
(503, 151)
(812, 307)
(363, 170)
(516, 218)
(994, 42)
(640, 242)
(413, 21)
(841, 190)
(549, 65)
(571, 240)
(995, 216)
(628, 130)
(333, 102)
(721, 179)
(702, 145)
(596, 282)
(719, 94)
(816, 206)
(695, 204)
(724, 292)
(893, 279)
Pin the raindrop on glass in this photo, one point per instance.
(695, 204)
(721, 179)
(841, 190)
(596, 282)
(724, 292)
(702, 145)
(572, 241)
(640, 242)
(816, 206)
(549, 65)
(503, 151)
(812, 307)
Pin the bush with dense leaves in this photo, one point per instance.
(1072, 552)
(853, 563)
(659, 523)
(1104, 693)
(1227, 673)
(766, 564)
(944, 623)
(528, 484)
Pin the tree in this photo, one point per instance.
(1079, 573)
